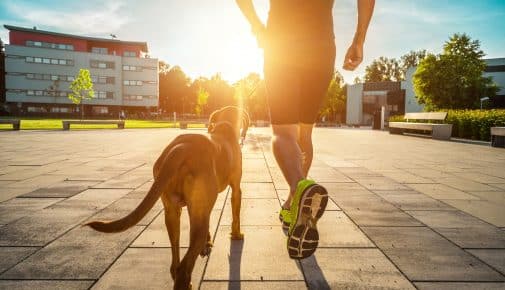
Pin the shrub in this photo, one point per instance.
(475, 124)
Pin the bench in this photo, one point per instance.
(498, 136)
(67, 123)
(16, 124)
(438, 131)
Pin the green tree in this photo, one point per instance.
(453, 79)
(391, 69)
(174, 90)
(82, 89)
(335, 102)
(201, 101)
(383, 69)
(412, 59)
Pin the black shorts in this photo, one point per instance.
(297, 80)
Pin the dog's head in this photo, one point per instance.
(235, 116)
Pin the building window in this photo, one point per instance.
(45, 60)
(49, 45)
(60, 110)
(137, 97)
(130, 54)
(101, 64)
(102, 79)
(100, 50)
(131, 68)
(100, 110)
(132, 83)
(104, 95)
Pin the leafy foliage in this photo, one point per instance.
(390, 69)
(453, 79)
(335, 102)
(81, 87)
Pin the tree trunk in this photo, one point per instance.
(82, 111)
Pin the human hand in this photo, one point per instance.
(354, 56)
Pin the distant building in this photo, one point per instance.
(40, 66)
(364, 99)
(496, 69)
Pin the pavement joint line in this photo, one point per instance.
(228, 192)
(121, 254)
(46, 279)
(453, 243)
(378, 248)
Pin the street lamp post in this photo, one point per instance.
(482, 100)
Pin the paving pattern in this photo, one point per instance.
(405, 212)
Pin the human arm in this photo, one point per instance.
(257, 27)
(354, 55)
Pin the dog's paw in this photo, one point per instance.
(206, 251)
(237, 236)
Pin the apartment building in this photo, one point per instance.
(40, 66)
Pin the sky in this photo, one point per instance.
(205, 37)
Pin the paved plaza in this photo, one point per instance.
(405, 212)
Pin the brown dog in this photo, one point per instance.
(190, 172)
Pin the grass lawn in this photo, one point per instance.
(55, 124)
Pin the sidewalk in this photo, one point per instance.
(405, 212)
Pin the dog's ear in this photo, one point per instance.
(211, 127)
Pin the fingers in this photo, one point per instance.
(352, 64)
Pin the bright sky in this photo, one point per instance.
(206, 37)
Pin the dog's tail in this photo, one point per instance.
(158, 187)
(131, 219)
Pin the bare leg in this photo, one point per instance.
(288, 155)
(305, 143)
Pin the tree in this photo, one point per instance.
(82, 89)
(174, 90)
(391, 69)
(201, 101)
(453, 79)
(383, 69)
(250, 93)
(412, 59)
(335, 102)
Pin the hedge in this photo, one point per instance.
(471, 124)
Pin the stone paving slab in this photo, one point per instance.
(491, 212)
(41, 227)
(352, 269)
(251, 285)
(423, 255)
(10, 256)
(462, 228)
(492, 257)
(80, 254)
(17, 208)
(254, 212)
(258, 190)
(156, 235)
(459, 286)
(145, 269)
(62, 189)
(260, 256)
(45, 285)
(442, 191)
(395, 219)
(337, 230)
(412, 200)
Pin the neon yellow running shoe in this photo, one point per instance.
(307, 207)
(285, 218)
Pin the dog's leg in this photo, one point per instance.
(172, 222)
(199, 228)
(208, 247)
(236, 199)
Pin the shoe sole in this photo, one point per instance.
(304, 239)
